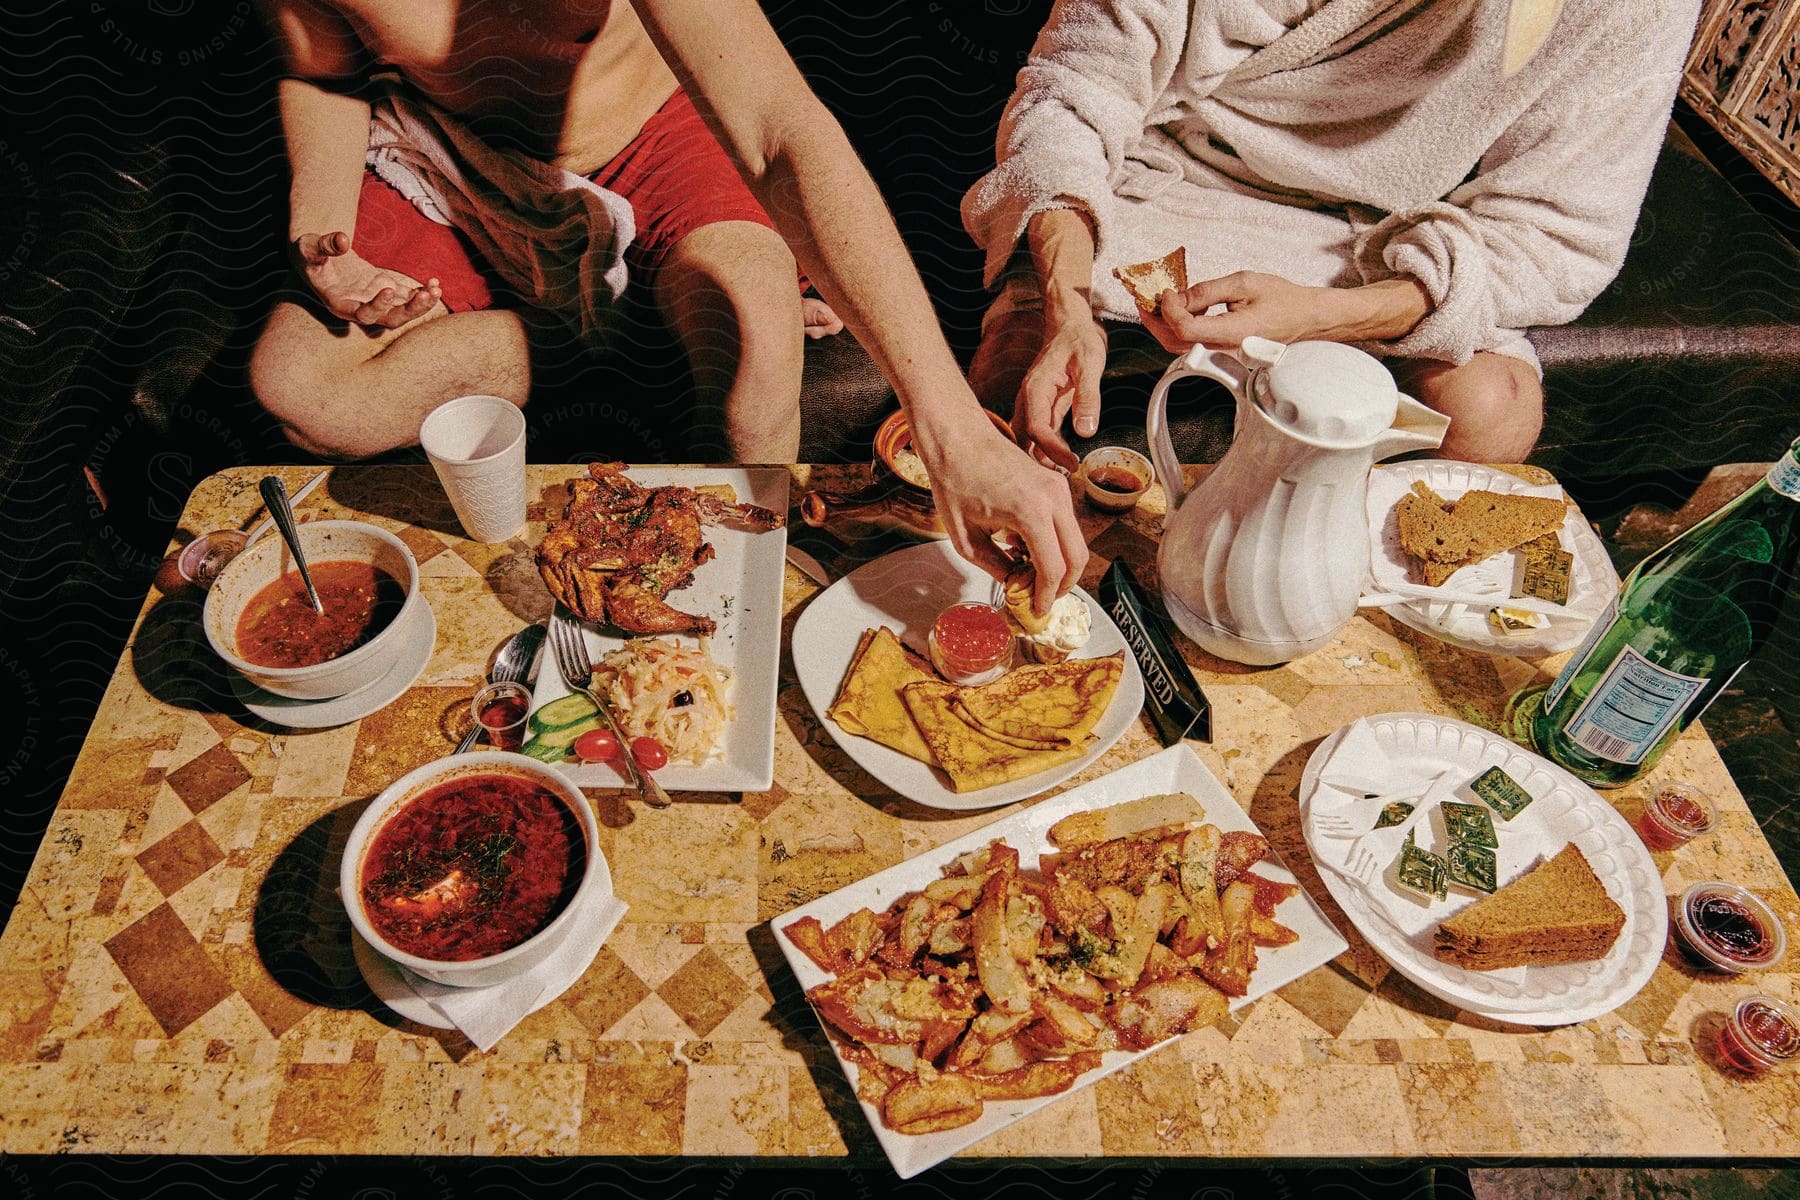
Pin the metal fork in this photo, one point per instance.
(578, 672)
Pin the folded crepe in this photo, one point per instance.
(1032, 719)
(970, 757)
(868, 702)
(1051, 706)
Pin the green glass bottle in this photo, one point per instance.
(1686, 620)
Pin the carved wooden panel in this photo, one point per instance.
(1743, 76)
(1728, 32)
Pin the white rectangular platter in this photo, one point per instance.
(740, 588)
(1176, 769)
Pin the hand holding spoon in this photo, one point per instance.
(274, 494)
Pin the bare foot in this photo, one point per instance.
(817, 318)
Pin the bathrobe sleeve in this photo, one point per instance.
(1543, 225)
(1083, 99)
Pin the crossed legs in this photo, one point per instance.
(727, 290)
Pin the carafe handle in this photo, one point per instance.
(1197, 361)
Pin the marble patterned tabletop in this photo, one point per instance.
(177, 975)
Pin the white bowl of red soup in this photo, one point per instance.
(472, 869)
(259, 620)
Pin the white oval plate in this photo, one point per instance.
(1592, 579)
(1563, 810)
(906, 591)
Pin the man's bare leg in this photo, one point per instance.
(1495, 404)
(729, 290)
(347, 392)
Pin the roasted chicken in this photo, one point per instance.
(621, 548)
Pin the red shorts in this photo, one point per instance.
(675, 175)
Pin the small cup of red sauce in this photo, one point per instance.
(1762, 1034)
(1679, 812)
(971, 644)
(1723, 927)
(1115, 477)
(501, 709)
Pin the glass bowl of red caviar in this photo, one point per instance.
(971, 644)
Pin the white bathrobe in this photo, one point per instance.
(1340, 142)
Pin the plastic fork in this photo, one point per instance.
(578, 672)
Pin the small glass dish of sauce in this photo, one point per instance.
(1723, 927)
(1762, 1034)
(501, 710)
(971, 644)
(1675, 815)
(1115, 478)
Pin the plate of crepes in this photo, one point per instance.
(675, 574)
(863, 653)
(1485, 559)
(1485, 874)
(974, 984)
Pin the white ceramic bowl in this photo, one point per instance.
(268, 560)
(596, 878)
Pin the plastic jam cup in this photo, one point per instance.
(1763, 1034)
(501, 709)
(1678, 812)
(1723, 927)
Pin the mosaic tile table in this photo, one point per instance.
(177, 975)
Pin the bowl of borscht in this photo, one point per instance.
(259, 620)
(470, 870)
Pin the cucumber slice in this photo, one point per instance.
(535, 748)
(563, 711)
(563, 736)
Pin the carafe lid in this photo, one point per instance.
(1323, 391)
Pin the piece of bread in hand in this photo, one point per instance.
(1169, 810)
(1147, 281)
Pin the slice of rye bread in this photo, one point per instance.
(1493, 522)
(1428, 531)
(1557, 912)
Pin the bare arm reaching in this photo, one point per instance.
(798, 162)
(326, 125)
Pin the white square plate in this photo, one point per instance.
(905, 591)
(1176, 769)
(740, 588)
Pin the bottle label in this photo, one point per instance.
(1566, 676)
(1635, 703)
(1784, 476)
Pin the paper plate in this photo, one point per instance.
(1563, 810)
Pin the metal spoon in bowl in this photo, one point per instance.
(274, 494)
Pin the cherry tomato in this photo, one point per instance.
(597, 745)
(649, 753)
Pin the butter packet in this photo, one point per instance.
(1500, 792)
(1419, 870)
(1172, 696)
